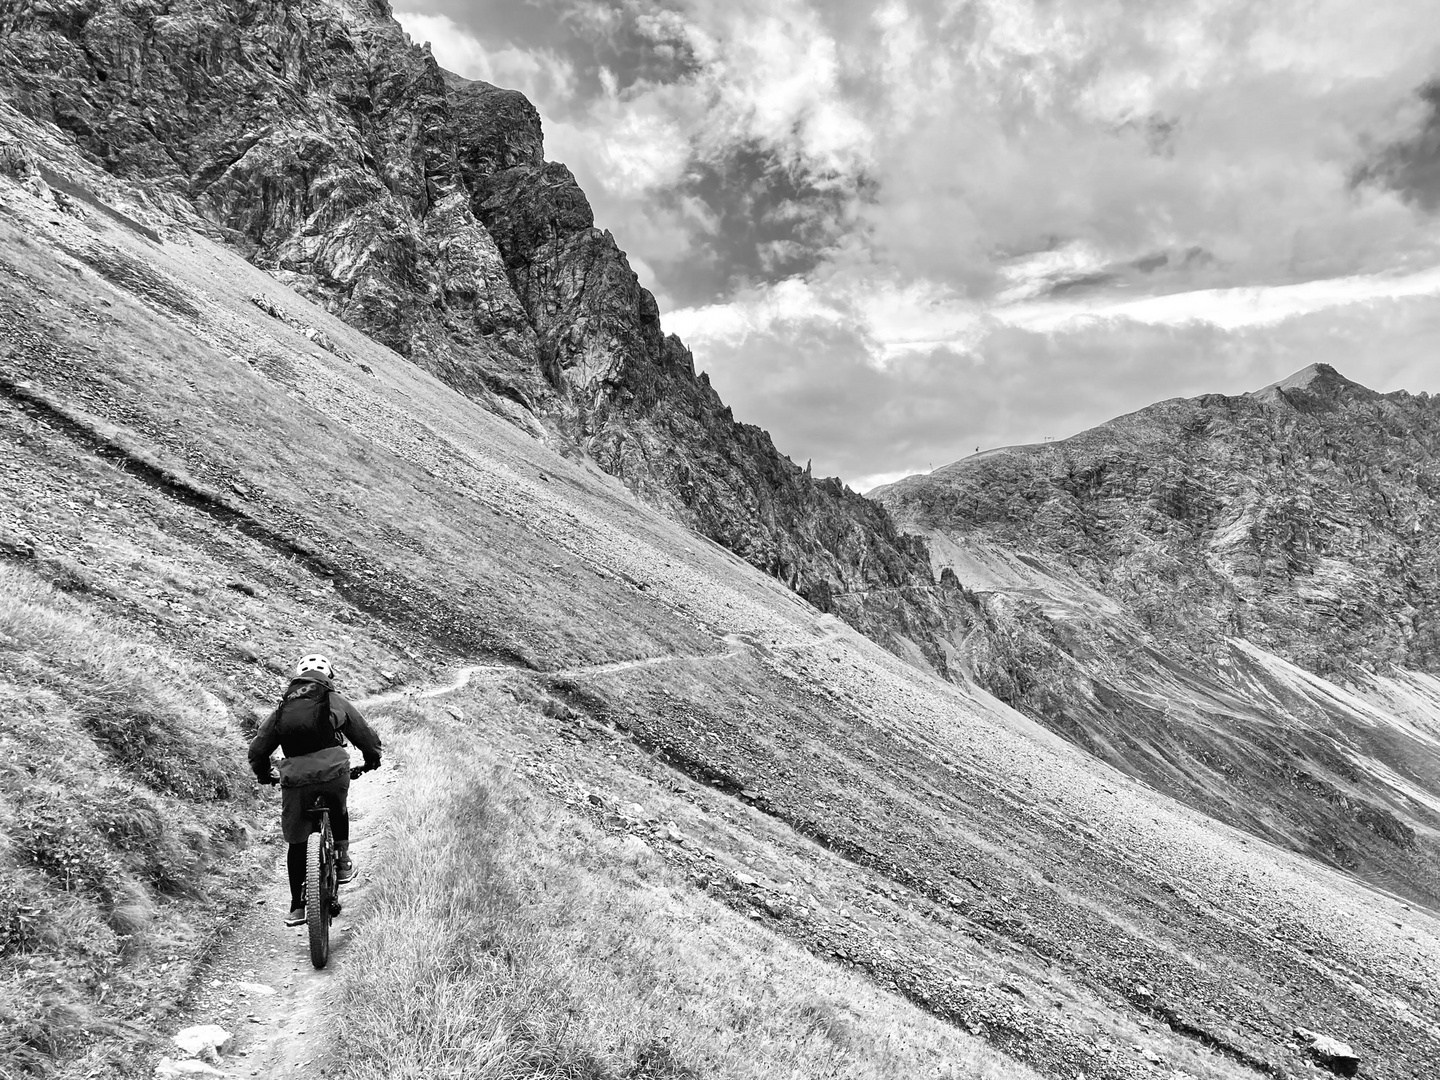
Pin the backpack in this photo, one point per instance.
(303, 718)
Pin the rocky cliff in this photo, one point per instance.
(418, 206)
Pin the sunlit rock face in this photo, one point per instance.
(419, 207)
(312, 136)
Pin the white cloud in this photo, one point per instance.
(758, 311)
(1032, 275)
(871, 481)
(775, 75)
(540, 75)
(893, 318)
(643, 149)
(1228, 309)
(454, 48)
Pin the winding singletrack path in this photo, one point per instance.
(259, 984)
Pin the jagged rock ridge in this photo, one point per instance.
(418, 206)
(1300, 517)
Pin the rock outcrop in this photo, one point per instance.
(419, 207)
(1301, 518)
(313, 137)
(1333, 1054)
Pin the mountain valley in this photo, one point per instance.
(1116, 757)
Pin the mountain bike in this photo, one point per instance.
(322, 890)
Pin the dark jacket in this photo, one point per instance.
(323, 765)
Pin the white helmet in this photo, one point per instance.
(314, 662)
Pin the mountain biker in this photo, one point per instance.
(315, 763)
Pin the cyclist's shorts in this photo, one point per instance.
(295, 803)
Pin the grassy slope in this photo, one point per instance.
(954, 845)
(510, 940)
(120, 789)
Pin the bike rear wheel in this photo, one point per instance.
(319, 889)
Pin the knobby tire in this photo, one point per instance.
(317, 894)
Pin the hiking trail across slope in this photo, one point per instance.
(259, 985)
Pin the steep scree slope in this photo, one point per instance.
(418, 207)
(1160, 590)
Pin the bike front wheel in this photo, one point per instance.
(318, 888)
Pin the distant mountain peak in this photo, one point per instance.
(1316, 381)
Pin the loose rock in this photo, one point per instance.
(167, 1069)
(1339, 1057)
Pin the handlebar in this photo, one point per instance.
(356, 771)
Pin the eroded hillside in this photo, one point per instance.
(418, 207)
(1163, 589)
(168, 407)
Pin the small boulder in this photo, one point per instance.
(774, 906)
(556, 710)
(202, 1041)
(16, 546)
(21, 165)
(1339, 1057)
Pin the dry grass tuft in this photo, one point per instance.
(116, 794)
(508, 938)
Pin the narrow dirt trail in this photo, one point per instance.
(466, 676)
(259, 984)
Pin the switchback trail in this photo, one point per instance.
(259, 984)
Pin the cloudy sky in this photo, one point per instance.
(895, 232)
